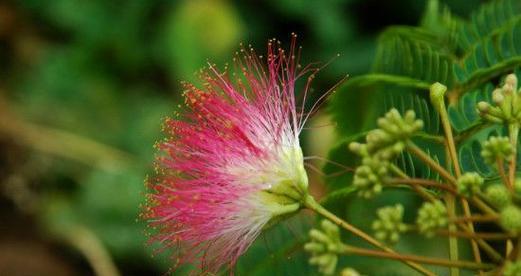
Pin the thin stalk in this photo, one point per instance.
(476, 218)
(477, 127)
(414, 149)
(451, 146)
(483, 206)
(422, 192)
(85, 241)
(437, 92)
(473, 236)
(453, 241)
(487, 248)
(311, 204)
(423, 183)
(473, 243)
(398, 171)
(346, 249)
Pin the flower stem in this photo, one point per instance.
(476, 218)
(449, 199)
(453, 241)
(423, 183)
(486, 236)
(310, 203)
(475, 247)
(422, 192)
(84, 240)
(483, 206)
(487, 248)
(413, 148)
(415, 258)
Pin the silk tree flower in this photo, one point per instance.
(231, 164)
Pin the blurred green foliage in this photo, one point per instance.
(95, 78)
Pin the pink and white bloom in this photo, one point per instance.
(231, 164)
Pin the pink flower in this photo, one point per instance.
(231, 164)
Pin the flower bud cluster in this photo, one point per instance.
(431, 217)
(382, 145)
(507, 107)
(510, 219)
(470, 184)
(389, 138)
(498, 195)
(371, 176)
(389, 224)
(510, 214)
(496, 148)
(324, 246)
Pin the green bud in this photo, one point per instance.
(507, 108)
(387, 141)
(319, 236)
(324, 246)
(510, 219)
(330, 228)
(329, 268)
(321, 260)
(371, 176)
(496, 148)
(512, 269)
(470, 184)
(483, 107)
(314, 247)
(511, 80)
(389, 224)
(432, 216)
(498, 195)
(358, 148)
(349, 272)
(497, 96)
(490, 113)
(437, 93)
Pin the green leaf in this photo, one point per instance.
(337, 176)
(470, 154)
(278, 251)
(487, 20)
(416, 53)
(463, 114)
(491, 56)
